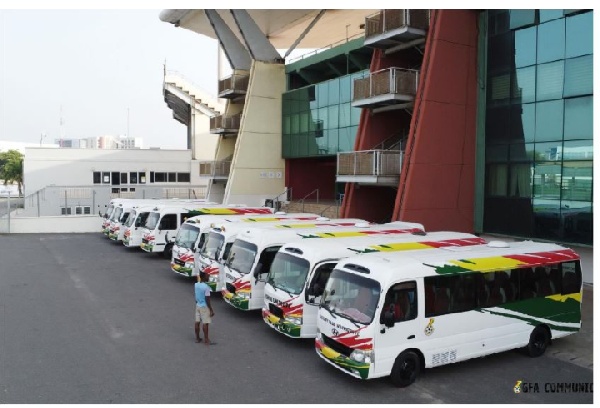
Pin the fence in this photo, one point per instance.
(84, 200)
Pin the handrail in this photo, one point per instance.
(188, 80)
(327, 47)
(303, 199)
(289, 197)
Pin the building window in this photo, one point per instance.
(142, 177)
(65, 210)
(124, 178)
(133, 177)
(172, 177)
(105, 177)
(183, 177)
(97, 177)
(160, 177)
(151, 177)
(82, 210)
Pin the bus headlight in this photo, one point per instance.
(363, 356)
(294, 320)
(213, 278)
(189, 265)
(243, 295)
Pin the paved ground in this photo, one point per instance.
(83, 320)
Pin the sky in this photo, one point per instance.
(103, 69)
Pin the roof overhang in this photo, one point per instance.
(282, 27)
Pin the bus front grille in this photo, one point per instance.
(276, 310)
(339, 347)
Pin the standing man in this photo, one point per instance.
(204, 311)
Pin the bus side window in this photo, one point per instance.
(401, 302)
(429, 297)
(526, 283)
(437, 296)
(571, 277)
(226, 251)
(265, 260)
(317, 284)
(168, 222)
(464, 292)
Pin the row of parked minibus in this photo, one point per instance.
(379, 299)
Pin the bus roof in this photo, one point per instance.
(218, 219)
(345, 247)
(489, 257)
(335, 228)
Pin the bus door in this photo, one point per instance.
(399, 327)
(261, 272)
(315, 286)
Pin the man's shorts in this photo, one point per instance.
(203, 314)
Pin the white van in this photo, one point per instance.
(193, 233)
(393, 314)
(114, 203)
(301, 269)
(133, 227)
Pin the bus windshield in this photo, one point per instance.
(351, 296)
(186, 237)
(129, 221)
(116, 214)
(212, 245)
(152, 220)
(141, 219)
(288, 273)
(242, 256)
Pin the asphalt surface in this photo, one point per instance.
(84, 320)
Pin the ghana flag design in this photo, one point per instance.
(211, 270)
(560, 312)
(271, 219)
(290, 308)
(407, 246)
(348, 339)
(230, 211)
(360, 233)
(314, 225)
(233, 298)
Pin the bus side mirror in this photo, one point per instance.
(257, 270)
(388, 318)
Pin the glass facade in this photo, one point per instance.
(318, 120)
(539, 124)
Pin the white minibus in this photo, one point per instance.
(114, 203)
(394, 314)
(301, 269)
(193, 233)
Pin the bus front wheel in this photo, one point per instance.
(538, 341)
(406, 369)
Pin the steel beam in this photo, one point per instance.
(257, 43)
(234, 50)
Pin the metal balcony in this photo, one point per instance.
(374, 167)
(390, 88)
(390, 28)
(235, 86)
(216, 170)
(225, 124)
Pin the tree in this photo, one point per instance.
(11, 168)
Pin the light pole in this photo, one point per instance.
(42, 137)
